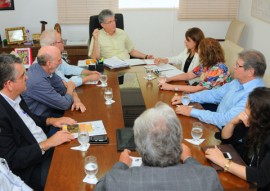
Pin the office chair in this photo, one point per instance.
(231, 51)
(94, 23)
(234, 32)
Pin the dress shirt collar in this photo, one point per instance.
(253, 82)
(12, 102)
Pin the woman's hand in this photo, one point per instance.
(216, 156)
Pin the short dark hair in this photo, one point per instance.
(7, 69)
(103, 14)
(254, 59)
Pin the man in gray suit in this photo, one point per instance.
(158, 137)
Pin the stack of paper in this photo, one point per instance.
(137, 62)
(115, 62)
(76, 42)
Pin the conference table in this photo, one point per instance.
(67, 166)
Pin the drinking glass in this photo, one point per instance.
(197, 131)
(149, 73)
(83, 136)
(103, 79)
(108, 95)
(185, 98)
(162, 78)
(91, 166)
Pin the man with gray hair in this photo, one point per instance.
(111, 41)
(158, 138)
(46, 94)
(79, 75)
(231, 97)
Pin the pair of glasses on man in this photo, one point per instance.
(238, 66)
(110, 22)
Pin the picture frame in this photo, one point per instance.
(15, 35)
(6, 5)
(26, 55)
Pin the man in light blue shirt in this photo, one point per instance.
(79, 75)
(232, 97)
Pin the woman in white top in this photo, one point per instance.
(189, 58)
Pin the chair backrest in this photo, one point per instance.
(266, 79)
(235, 30)
(94, 23)
(231, 51)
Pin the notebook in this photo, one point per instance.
(125, 139)
(226, 148)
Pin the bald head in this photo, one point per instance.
(49, 57)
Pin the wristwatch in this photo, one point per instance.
(227, 165)
(176, 89)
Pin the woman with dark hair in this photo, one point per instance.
(189, 57)
(249, 132)
(212, 71)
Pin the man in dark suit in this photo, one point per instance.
(158, 138)
(23, 142)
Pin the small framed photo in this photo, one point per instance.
(15, 35)
(6, 5)
(26, 56)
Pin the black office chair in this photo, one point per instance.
(94, 23)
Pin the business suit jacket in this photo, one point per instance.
(189, 176)
(17, 144)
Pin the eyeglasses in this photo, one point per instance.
(110, 22)
(238, 66)
(59, 42)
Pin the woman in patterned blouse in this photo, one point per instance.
(212, 70)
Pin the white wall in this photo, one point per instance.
(256, 34)
(157, 32)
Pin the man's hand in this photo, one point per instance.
(183, 110)
(186, 153)
(94, 76)
(125, 158)
(57, 139)
(59, 122)
(78, 105)
(95, 34)
(176, 100)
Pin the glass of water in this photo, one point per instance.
(103, 79)
(197, 131)
(162, 78)
(108, 95)
(185, 98)
(91, 166)
(149, 73)
(83, 136)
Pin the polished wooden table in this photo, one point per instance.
(67, 167)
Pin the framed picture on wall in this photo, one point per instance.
(26, 56)
(6, 5)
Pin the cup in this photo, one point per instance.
(83, 136)
(149, 73)
(91, 166)
(197, 131)
(162, 78)
(185, 98)
(103, 79)
(108, 95)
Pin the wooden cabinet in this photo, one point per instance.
(75, 53)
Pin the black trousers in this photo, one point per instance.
(40, 173)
